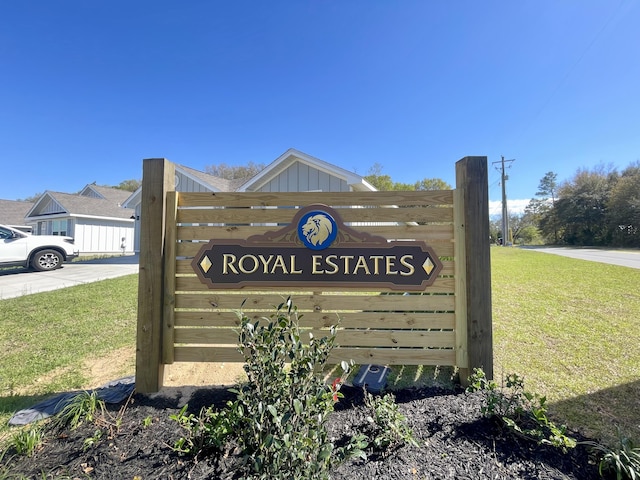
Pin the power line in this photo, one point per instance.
(572, 67)
(506, 237)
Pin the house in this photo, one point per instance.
(95, 218)
(12, 213)
(293, 171)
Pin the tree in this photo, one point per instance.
(581, 207)
(548, 187)
(523, 229)
(129, 185)
(432, 184)
(542, 209)
(624, 208)
(233, 172)
(33, 198)
(385, 183)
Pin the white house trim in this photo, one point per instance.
(292, 155)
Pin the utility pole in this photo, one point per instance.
(505, 211)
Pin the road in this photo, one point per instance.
(624, 258)
(18, 282)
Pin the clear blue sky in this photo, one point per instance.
(90, 88)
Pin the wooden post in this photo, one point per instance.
(158, 177)
(472, 181)
(169, 299)
(462, 351)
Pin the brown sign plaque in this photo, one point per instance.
(317, 250)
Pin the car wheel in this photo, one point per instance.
(46, 260)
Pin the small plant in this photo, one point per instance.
(83, 407)
(390, 426)
(525, 413)
(208, 430)
(90, 408)
(92, 441)
(27, 440)
(623, 461)
(147, 422)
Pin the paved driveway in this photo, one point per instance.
(18, 282)
(625, 258)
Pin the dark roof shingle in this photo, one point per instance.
(12, 212)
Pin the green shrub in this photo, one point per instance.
(523, 412)
(282, 409)
(279, 416)
(389, 426)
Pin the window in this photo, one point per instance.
(59, 227)
(63, 228)
(5, 233)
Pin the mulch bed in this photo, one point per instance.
(457, 443)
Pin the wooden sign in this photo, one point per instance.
(317, 250)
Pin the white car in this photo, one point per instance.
(40, 252)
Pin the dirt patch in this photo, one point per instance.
(202, 374)
(122, 362)
(117, 364)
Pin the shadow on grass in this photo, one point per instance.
(9, 405)
(599, 414)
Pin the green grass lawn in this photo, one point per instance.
(570, 327)
(46, 337)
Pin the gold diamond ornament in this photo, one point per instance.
(205, 263)
(428, 266)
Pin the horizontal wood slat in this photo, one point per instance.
(318, 303)
(193, 284)
(441, 248)
(284, 215)
(391, 232)
(344, 338)
(383, 356)
(248, 199)
(324, 320)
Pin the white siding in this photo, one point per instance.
(51, 207)
(300, 177)
(186, 184)
(103, 236)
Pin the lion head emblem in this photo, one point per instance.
(317, 229)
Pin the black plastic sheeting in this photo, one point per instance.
(113, 392)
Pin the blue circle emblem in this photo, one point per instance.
(317, 230)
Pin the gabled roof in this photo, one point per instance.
(12, 212)
(206, 180)
(57, 203)
(291, 156)
(114, 195)
(216, 184)
(280, 164)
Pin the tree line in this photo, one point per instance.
(596, 207)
